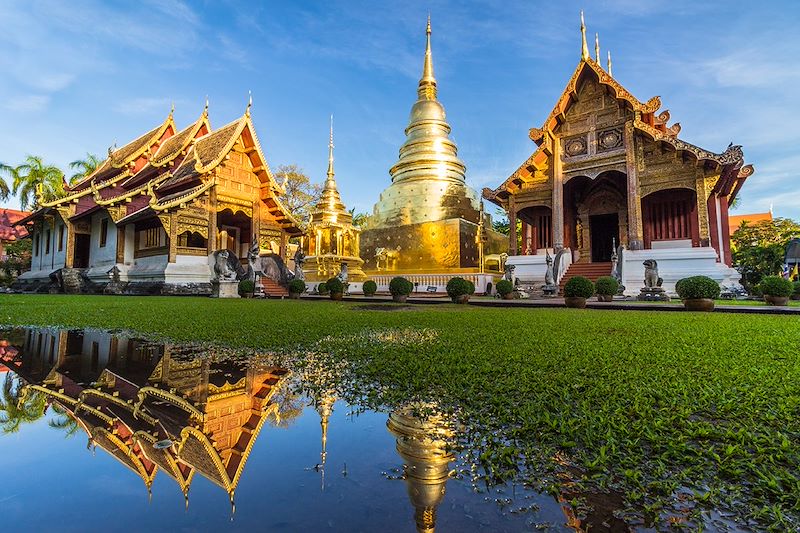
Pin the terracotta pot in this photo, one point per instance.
(776, 300)
(509, 296)
(464, 298)
(699, 304)
(605, 297)
(575, 301)
(336, 296)
(400, 298)
(294, 295)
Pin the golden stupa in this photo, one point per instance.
(428, 220)
(422, 442)
(331, 240)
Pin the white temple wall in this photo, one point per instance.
(43, 262)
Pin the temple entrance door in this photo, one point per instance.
(228, 239)
(80, 259)
(604, 232)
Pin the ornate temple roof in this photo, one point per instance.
(646, 121)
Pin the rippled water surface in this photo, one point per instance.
(103, 432)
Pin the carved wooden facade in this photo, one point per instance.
(175, 193)
(608, 164)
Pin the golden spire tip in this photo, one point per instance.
(597, 47)
(584, 47)
(249, 103)
(330, 153)
(609, 63)
(428, 30)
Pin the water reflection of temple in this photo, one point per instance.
(153, 407)
(423, 437)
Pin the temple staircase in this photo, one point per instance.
(273, 289)
(587, 270)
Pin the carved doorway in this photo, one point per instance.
(80, 259)
(605, 233)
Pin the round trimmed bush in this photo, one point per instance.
(579, 287)
(697, 288)
(459, 287)
(776, 286)
(247, 286)
(297, 286)
(322, 288)
(504, 287)
(400, 286)
(606, 286)
(335, 286)
(369, 288)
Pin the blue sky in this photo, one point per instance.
(80, 75)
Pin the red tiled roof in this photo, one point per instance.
(9, 217)
(734, 221)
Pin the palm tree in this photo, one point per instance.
(33, 176)
(84, 167)
(63, 421)
(5, 192)
(16, 407)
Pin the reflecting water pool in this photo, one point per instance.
(99, 431)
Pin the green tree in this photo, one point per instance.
(18, 406)
(360, 220)
(34, 175)
(299, 195)
(63, 421)
(5, 191)
(758, 249)
(84, 167)
(500, 222)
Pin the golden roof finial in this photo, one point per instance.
(172, 109)
(205, 109)
(584, 47)
(609, 63)
(330, 153)
(427, 84)
(249, 103)
(597, 47)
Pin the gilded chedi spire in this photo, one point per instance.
(428, 180)
(584, 46)
(330, 206)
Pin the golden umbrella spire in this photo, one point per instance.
(330, 154)
(585, 47)
(427, 84)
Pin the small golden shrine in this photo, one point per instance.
(332, 240)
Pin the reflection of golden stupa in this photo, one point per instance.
(422, 443)
(427, 220)
(332, 238)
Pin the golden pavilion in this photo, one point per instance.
(332, 240)
(428, 221)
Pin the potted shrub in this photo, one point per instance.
(296, 288)
(247, 288)
(505, 289)
(369, 288)
(459, 290)
(776, 290)
(698, 293)
(335, 288)
(796, 293)
(606, 287)
(577, 290)
(400, 288)
(322, 288)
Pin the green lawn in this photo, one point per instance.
(647, 404)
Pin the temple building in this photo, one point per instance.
(152, 407)
(611, 180)
(10, 232)
(428, 225)
(332, 240)
(152, 213)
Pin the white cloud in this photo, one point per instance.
(139, 106)
(27, 103)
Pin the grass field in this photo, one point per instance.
(659, 407)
